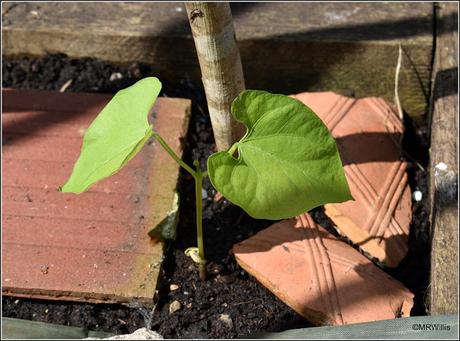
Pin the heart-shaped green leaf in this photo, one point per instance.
(115, 136)
(287, 163)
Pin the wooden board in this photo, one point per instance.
(285, 47)
(444, 166)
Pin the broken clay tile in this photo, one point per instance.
(88, 247)
(321, 278)
(368, 133)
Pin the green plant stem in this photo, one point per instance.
(173, 155)
(199, 219)
(198, 175)
(233, 148)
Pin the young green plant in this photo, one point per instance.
(286, 164)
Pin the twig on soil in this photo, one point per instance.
(238, 221)
(254, 300)
(66, 85)
(407, 155)
(146, 313)
(399, 108)
(398, 68)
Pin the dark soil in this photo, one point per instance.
(229, 289)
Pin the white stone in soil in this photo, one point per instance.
(140, 334)
(174, 306)
(227, 320)
(115, 76)
(173, 287)
(417, 195)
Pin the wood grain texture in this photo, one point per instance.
(444, 166)
(285, 47)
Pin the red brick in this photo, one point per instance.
(93, 246)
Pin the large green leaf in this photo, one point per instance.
(287, 162)
(115, 136)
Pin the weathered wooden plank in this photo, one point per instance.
(444, 166)
(285, 47)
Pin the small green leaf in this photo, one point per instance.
(116, 135)
(287, 163)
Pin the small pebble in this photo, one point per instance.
(16, 302)
(226, 319)
(114, 76)
(173, 287)
(417, 195)
(227, 279)
(44, 269)
(174, 306)
(204, 194)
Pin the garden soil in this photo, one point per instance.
(231, 303)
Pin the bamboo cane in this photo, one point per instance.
(220, 63)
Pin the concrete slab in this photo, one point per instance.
(321, 278)
(95, 246)
(368, 133)
(285, 47)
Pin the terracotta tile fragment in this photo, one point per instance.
(88, 247)
(321, 278)
(368, 133)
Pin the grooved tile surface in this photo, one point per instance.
(320, 277)
(88, 247)
(368, 133)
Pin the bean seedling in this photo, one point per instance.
(287, 162)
